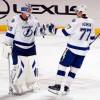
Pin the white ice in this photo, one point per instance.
(49, 50)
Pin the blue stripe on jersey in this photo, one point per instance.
(65, 33)
(92, 37)
(78, 48)
(23, 44)
(10, 35)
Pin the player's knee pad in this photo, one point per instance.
(74, 69)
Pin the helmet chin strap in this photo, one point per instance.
(28, 14)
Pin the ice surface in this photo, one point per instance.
(49, 50)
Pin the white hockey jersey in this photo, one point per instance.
(80, 32)
(21, 33)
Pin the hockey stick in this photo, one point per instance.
(95, 39)
(10, 81)
(8, 62)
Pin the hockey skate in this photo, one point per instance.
(64, 90)
(57, 89)
(54, 89)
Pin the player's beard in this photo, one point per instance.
(27, 14)
(24, 16)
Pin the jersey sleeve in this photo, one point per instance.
(37, 27)
(9, 36)
(70, 28)
(92, 38)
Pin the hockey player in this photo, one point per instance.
(80, 36)
(20, 37)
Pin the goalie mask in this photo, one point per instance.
(27, 10)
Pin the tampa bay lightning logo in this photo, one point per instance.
(28, 31)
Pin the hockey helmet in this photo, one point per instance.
(26, 9)
(82, 8)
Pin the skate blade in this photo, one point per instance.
(62, 93)
(53, 91)
(58, 92)
(20, 94)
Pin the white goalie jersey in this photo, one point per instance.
(80, 32)
(21, 33)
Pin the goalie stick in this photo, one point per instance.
(8, 61)
(10, 80)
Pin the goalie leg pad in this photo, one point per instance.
(29, 72)
(15, 83)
